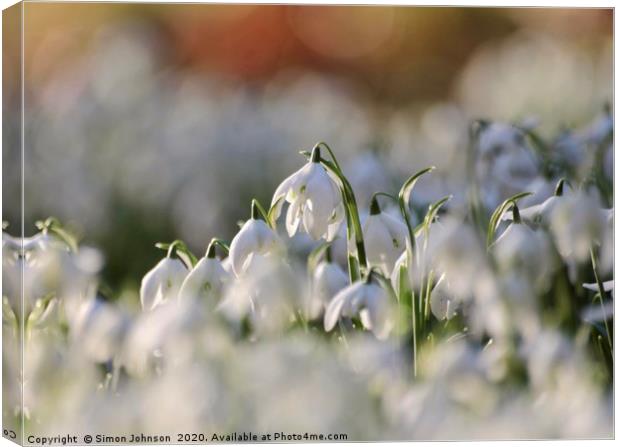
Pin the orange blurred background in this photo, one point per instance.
(392, 54)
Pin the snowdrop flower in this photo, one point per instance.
(443, 306)
(576, 223)
(384, 237)
(49, 270)
(315, 200)
(207, 279)
(541, 212)
(162, 283)
(265, 296)
(328, 279)
(254, 238)
(99, 328)
(366, 298)
(521, 249)
(453, 249)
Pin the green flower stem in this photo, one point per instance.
(352, 262)
(403, 203)
(374, 207)
(427, 298)
(559, 187)
(374, 203)
(354, 226)
(181, 249)
(215, 242)
(499, 211)
(516, 216)
(349, 200)
(331, 153)
(406, 297)
(384, 194)
(259, 212)
(601, 293)
(172, 246)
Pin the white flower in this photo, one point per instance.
(365, 298)
(523, 250)
(384, 238)
(537, 213)
(327, 280)
(540, 212)
(577, 222)
(315, 201)
(99, 328)
(162, 283)
(443, 306)
(254, 238)
(266, 295)
(206, 280)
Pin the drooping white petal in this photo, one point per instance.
(268, 241)
(335, 308)
(244, 243)
(398, 234)
(255, 237)
(282, 192)
(162, 283)
(379, 244)
(206, 280)
(315, 202)
(375, 312)
(293, 217)
(328, 280)
(335, 222)
(320, 204)
(332, 313)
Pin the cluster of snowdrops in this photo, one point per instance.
(486, 317)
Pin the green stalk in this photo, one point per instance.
(406, 298)
(354, 225)
(427, 298)
(258, 211)
(601, 293)
(215, 242)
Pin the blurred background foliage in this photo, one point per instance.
(146, 123)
